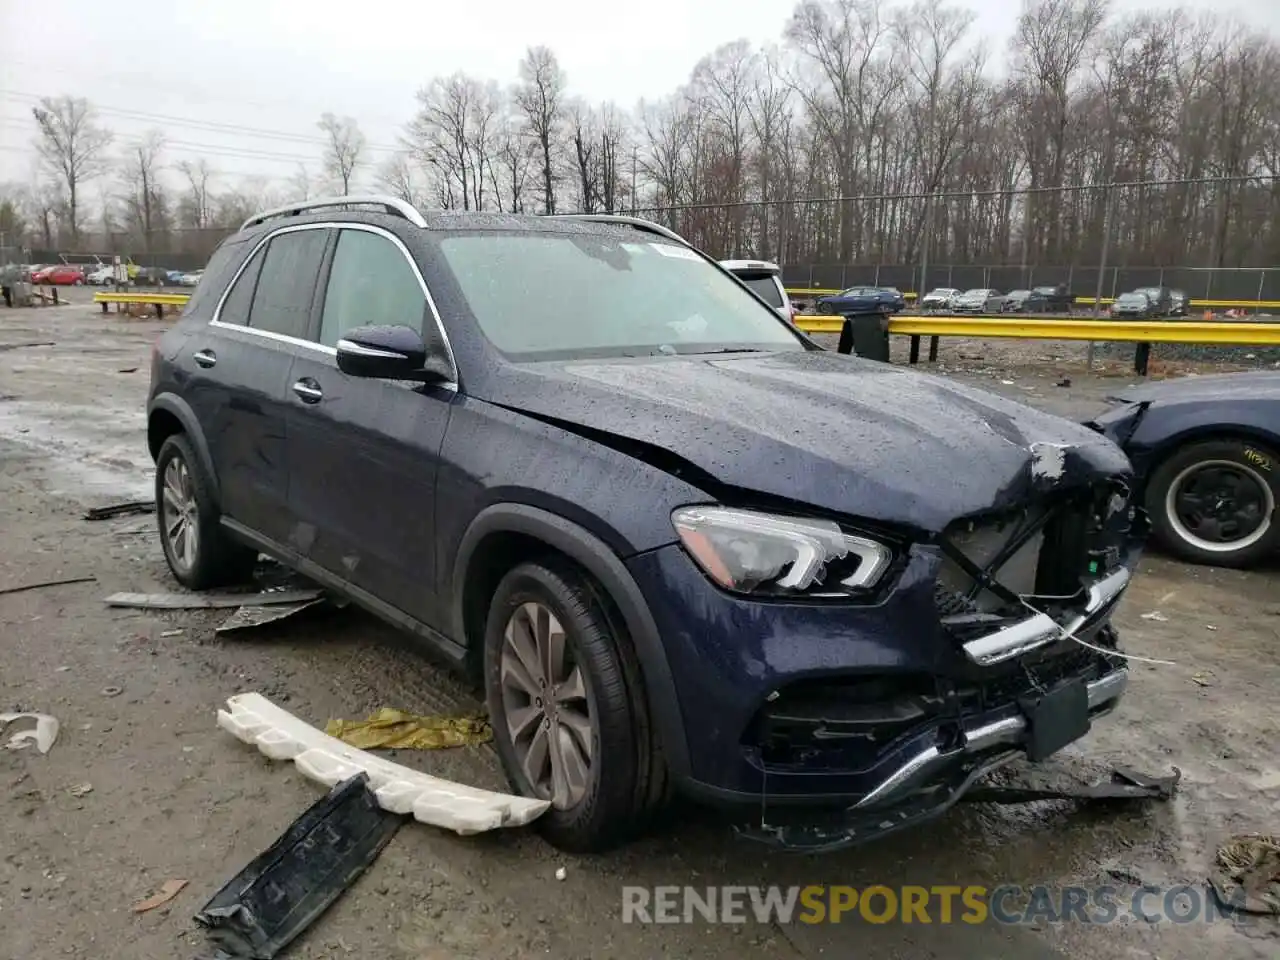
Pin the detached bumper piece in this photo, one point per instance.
(295, 880)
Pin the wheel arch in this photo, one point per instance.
(499, 528)
(168, 414)
(1157, 454)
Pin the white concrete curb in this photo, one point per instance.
(278, 734)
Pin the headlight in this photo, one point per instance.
(761, 553)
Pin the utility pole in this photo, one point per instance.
(635, 153)
(1102, 268)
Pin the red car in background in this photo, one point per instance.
(62, 274)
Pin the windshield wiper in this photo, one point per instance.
(728, 350)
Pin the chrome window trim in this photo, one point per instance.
(312, 344)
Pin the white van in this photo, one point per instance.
(765, 280)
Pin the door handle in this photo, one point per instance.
(308, 390)
(205, 358)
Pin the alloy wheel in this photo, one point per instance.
(547, 706)
(1220, 506)
(181, 514)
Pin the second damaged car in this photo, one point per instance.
(680, 546)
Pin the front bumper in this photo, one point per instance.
(925, 786)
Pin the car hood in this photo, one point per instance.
(852, 436)
(1253, 385)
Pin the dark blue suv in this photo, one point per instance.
(682, 547)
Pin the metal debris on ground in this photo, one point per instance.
(121, 510)
(269, 903)
(81, 790)
(18, 346)
(397, 730)
(46, 583)
(208, 601)
(1156, 616)
(43, 734)
(111, 691)
(168, 890)
(1203, 679)
(1247, 878)
(1125, 784)
(248, 617)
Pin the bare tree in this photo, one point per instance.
(398, 177)
(72, 147)
(196, 204)
(298, 186)
(345, 148)
(143, 194)
(540, 97)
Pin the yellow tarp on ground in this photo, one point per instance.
(397, 730)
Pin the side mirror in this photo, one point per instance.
(389, 353)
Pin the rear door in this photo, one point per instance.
(364, 454)
(240, 367)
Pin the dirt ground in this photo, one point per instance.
(141, 786)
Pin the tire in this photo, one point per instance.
(626, 780)
(77, 283)
(214, 559)
(1205, 473)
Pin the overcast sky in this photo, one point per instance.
(242, 82)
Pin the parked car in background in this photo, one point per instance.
(764, 280)
(1161, 300)
(979, 300)
(681, 548)
(861, 300)
(1056, 299)
(62, 274)
(1179, 303)
(103, 276)
(939, 298)
(1135, 305)
(190, 279)
(151, 277)
(1206, 454)
(1015, 301)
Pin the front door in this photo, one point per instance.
(363, 454)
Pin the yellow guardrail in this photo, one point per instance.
(1132, 331)
(164, 299)
(805, 292)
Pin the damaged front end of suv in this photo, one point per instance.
(881, 670)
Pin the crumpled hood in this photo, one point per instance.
(1252, 385)
(856, 437)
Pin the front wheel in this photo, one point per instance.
(1214, 502)
(199, 552)
(568, 709)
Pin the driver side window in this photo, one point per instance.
(371, 283)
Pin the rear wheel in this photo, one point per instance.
(1214, 502)
(568, 708)
(199, 552)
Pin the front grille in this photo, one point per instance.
(1040, 554)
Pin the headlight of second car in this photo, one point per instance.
(769, 555)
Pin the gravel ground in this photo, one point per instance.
(172, 796)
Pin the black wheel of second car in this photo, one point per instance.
(199, 552)
(1214, 502)
(566, 707)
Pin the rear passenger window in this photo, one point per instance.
(235, 309)
(370, 284)
(287, 283)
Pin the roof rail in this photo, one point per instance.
(637, 222)
(392, 205)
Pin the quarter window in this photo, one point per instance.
(235, 309)
(370, 284)
(290, 271)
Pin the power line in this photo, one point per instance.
(204, 125)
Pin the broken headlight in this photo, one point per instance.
(765, 554)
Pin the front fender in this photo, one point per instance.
(593, 554)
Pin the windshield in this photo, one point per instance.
(1133, 298)
(1020, 293)
(764, 287)
(975, 293)
(542, 296)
